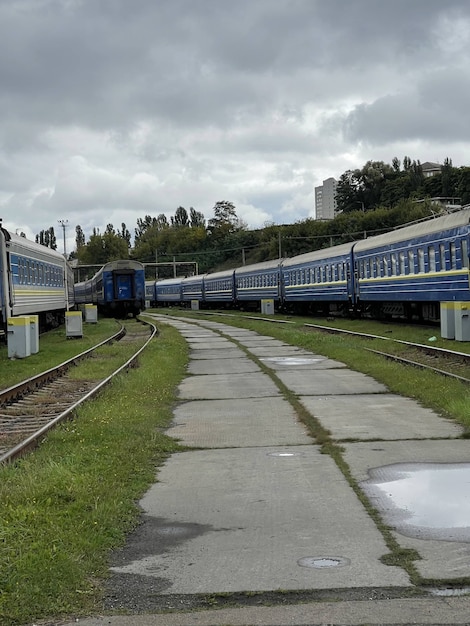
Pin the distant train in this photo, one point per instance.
(117, 289)
(33, 280)
(404, 274)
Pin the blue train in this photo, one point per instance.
(34, 280)
(117, 289)
(404, 274)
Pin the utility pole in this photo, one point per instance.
(64, 224)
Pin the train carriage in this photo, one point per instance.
(168, 292)
(409, 271)
(257, 282)
(219, 288)
(34, 279)
(118, 288)
(320, 281)
(192, 288)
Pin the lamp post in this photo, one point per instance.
(64, 223)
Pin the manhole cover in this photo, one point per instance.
(320, 562)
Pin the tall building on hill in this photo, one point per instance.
(325, 202)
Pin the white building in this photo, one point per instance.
(325, 203)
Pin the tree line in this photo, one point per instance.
(379, 184)
(371, 200)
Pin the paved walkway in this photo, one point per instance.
(254, 509)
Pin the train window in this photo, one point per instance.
(394, 264)
(464, 253)
(386, 264)
(442, 256)
(453, 256)
(402, 263)
(420, 260)
(431, 259)
(411, 262)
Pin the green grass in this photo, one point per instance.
(65, 506)
(54, 348)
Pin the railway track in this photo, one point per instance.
(34, 406)
(449, 363)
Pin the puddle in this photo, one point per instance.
(448, 592)
(291, 360)
(423, 500)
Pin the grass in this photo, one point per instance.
(65, 506)
(68, 504)
(54, 348)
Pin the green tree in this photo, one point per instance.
(79, 237)
(225, 219)
(180, 218)
(196, 218)
(47, 238)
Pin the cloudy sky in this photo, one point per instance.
(114, 109)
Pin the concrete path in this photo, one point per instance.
(253, 508)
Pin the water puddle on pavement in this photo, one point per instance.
(423, 500)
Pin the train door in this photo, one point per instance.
(352, 274)
(123, 287)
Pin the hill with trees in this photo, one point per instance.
(371, 200)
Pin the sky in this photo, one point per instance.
(111, 110)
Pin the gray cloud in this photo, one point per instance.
(112, 109)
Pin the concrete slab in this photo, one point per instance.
(329, 382)
(252, 519)
(453, 611)
(441, 560)
(302, 361)
(238, 423)
(228, 353)
(373, 416)
(253, 385)
(214, 343)
(222, 366)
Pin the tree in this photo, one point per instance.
(225, 219)
(181, 218)
(79, 237)
(47, 238)
(348, 192)
(196, 218)
(125, 234)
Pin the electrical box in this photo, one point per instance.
(462, 321)
(267, 307)
(73, 324)
(19, 337)
(448, 320)
(91, 313)
(34, 335)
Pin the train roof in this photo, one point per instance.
(169, 281)
(417, 231)
(342, 250)
(256, 267)
(17, 242)
(193, 279)
(123, 264)
(222, 274)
